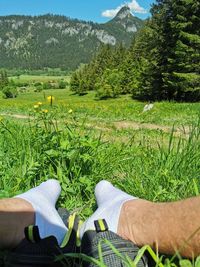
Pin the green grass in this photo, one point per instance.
(141, 153)
(123, 108)
(39, 149)
(157, 168)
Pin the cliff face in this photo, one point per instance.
(58, 41)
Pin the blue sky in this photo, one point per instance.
(93, 10)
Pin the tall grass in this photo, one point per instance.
(39, 149)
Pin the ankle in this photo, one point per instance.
(26, 217)
(15, 215)
(125, 226)
(132, 220)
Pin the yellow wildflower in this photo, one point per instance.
(50, 98)
(36, 106)
(70, 111)
(45, 110)
(39, 103)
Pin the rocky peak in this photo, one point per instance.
(124, 12)
(126, 21)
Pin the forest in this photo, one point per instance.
(162, 62)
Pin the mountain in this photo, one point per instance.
(35, 42)
(125, 25)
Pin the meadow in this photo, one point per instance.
(79, 141)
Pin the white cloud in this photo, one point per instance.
(134, 6)
(111, 12)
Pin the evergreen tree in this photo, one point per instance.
(161, 64)
(183, 66)
(178, 49)
(3, 79)
(167, 52)
(74, 82)
(90, 76)
(140, 66)
(78, 82)
(109, 85)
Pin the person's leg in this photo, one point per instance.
(164, 226)
(36, 206)
(15, 215)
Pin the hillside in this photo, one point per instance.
(58, 41)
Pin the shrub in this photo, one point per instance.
(36, 84)
(62, 84)
(39, 88)
(10, 92)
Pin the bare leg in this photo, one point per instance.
(36, 206)
(15, 215)
(166, 227)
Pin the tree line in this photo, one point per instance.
(162, 63)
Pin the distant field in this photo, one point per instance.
(120, 109)
(117, 120)
(38, 78)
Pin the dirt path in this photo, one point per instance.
(137, 126)
(16, 116)
(119, 125)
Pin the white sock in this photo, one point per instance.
(109, 201)
(43, 199)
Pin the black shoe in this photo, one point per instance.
(114, 248)
(36, 252)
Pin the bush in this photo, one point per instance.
(62, 84)
(39, 88)
(50, 85)
(46, 85)
(10, 92)
(36, 84)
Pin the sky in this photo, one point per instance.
(90, 10)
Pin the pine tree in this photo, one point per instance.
(3, 79)
(109, 85)
(74, 82)
(78, 82)
(166, 53)
(142, 72)
(177, 22)
(184, 65)
(87, 76)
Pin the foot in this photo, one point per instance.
(43, 199)
(110, 201)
